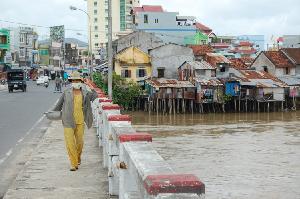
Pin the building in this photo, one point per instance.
(44, 52)
(294, 56)
(4, 43)
(243, 49)
(291, 41)
(238, 46)
(14, 44)
(275, 63)
(258, 41)
(98, 12)
(143, 40)
(208, 88)
(167, 58)
(28, 43)
(133, 64)
(200, 51)
(71, 54)
(169, 26)
(220, 62)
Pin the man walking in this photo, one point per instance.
(75, 106)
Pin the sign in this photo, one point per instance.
(57, 34)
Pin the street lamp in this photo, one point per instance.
(90, 38)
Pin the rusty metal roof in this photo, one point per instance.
(169, 83)
(201, 65)
(209, 82)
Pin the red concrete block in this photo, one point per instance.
(101, 95)
(181, 183)
(105, 100)
(135, 137)
(116, 118)
(111, 107)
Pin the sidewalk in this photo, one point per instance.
(47, 175)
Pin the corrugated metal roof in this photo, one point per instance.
(291, 80)
(209, 82)
(170, 83)
(203, 65)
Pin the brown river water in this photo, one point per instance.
(237, 156)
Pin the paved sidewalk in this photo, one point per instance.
(47, 175)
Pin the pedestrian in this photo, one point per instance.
(75, 107)
(58, 83)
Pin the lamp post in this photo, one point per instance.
(90, 39)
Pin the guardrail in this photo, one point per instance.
(135, 169)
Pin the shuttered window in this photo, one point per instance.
(126, 73)
(141, 73)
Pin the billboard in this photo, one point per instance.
(57, 34)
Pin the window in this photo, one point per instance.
(266, 69)
(287, 71)
(96, 44)
(96, 35)
(96, 28)
(141, 73)
(160, 72)
(95, 3)
(156, 20)
(145, 18)
(22, 38)
(95, 12)
(126, 73)
(222, 68)
(95, 20)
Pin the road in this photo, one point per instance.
(20, 111)
(22, 125)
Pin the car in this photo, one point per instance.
(16, 80)
(42, 80)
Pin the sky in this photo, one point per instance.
(225, 17)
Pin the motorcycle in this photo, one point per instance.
(46, 84)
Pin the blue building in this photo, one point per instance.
(168, 26)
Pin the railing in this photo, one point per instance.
(135, 169)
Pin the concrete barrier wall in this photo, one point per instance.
(135, 169)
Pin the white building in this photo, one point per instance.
(121, 17)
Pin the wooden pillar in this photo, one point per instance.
(157, 104)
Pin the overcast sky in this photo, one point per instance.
(225, 17)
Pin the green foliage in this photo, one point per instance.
(227, 98)
(99, 81)
(124, 92)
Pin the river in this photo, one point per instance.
(237, 156)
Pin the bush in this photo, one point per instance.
(124, 92)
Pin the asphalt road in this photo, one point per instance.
(19, 112)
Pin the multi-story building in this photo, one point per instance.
(28, 43)
(71, 54)
(121, 23)
(168, 26)
(4, 43)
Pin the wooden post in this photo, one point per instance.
(157, 104)
(235, 105)
(174, 107)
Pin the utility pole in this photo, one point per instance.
(110, 55)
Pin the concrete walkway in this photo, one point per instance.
(47, 175)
